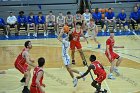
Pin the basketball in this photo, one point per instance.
(66, 29)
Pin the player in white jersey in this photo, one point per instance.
(93, 29)
(66, 57)
(87, 16)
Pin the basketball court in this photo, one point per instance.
(56, 77)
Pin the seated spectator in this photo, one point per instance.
(40, 23)
(122, 20)
(78, 18)
(110, 19)
(3, 26)
(97, 16)
(135, 17)
(22, 21)
(69, 20)
(60, 22)
(50, 21)
(137, 5)
(11, 22)
(30, 22)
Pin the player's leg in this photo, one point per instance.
(82, 56)
(95, 40)
(27, 75)
(110, 76)
(73, 56)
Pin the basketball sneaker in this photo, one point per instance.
(73, 62)
(75, 81)
(25, 90)
(23, 80)
(116, 71)
(110, 76)
(81, 73)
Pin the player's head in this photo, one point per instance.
(21, 13)
(78, 12)
(50, 12)
(92, 21)
(60, 14)
(68, 13)
(92, 58)
(31, 13)
(11, 13)
(39, 13)
(70, 37)
(122, 10)
(41, 62)
(135, 9)
(110, 10)
(78, 25)
(87, 10)
(112, 34)
(28, 44)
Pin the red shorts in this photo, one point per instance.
(21, 67)
(100, 78)
(74, 44)
(34, 89)
(113, 56)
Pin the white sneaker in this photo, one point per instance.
(84, 78)
(28, 34)
(120, 30)
(75, 81)
(117, 72)
(111, 77)
(115, 30)
(35, 34)
(45, 34)
(108, 30)
(102, 30)
(6, 36)
(129, 30)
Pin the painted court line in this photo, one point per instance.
(108, 87)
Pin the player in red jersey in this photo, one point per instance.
(23, 63)
(99, 71)
(111, 55)
(75, 43)
(36, 85)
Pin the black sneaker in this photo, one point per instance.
(105, 91)
(23, 80)
(25, 90)
(84, 63)
(73, 62)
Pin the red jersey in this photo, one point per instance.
(35, 72)
(99, 70)
(76, 35)
(20, 59)
(110, 42)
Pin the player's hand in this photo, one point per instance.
(32, 60)
(43, 85)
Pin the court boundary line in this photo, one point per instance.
(108, 87)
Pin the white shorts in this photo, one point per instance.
(66, 60)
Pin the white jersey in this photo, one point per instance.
(65, 49)
(92, 28)
(87, 17)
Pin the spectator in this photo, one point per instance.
(30, 22)
(11, 22)
(50, 21)
(3, 26)
(97, 16)
(22, 21)
(69, 19)
(60, 22)
(40, 23)
(110, 19)
(122, 20)
(135, 17)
